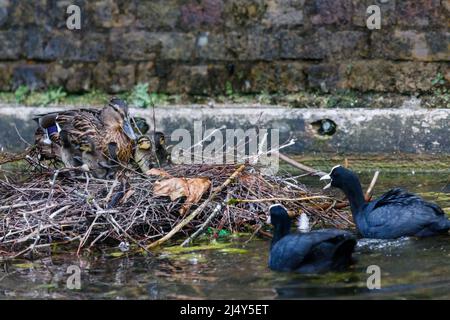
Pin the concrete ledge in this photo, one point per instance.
(358, 130)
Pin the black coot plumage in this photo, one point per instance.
(393, 215)
(310, 252)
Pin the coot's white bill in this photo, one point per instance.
(326, 177)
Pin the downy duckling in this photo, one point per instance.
(93, 161)
(162, 156)
(70, 155)
(143, 154)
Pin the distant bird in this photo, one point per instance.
(107, 127)
(307, 252)
(162, 156)
(395, 214)
(143, 154)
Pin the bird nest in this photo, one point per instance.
(51, 207)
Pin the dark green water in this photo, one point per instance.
(237, 269)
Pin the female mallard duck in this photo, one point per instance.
(107, 129)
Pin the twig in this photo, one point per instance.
(276, 199)
(300, 166)
(203, 226)
(368, 194)
(54, 214)
(21, 205)
(20, 137)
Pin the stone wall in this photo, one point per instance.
(215, 46)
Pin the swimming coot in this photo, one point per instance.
(393, 215)
(307, 252)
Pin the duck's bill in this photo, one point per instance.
(128, 129)
(326, 177)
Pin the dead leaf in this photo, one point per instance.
(174, 188)
(191, 188)
(196, 188)
(158, 172)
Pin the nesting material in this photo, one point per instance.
(52, 208)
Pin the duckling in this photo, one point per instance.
(70, 155)
(308, 251)
(143, 154)
(162, 156)
(140, 125)
(393, 215)
(93, 161)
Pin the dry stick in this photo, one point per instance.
(20, 205)
(203, 226)
(278, 199)
(189, 218)
(54, 214)
(298, 165)
(368, 194)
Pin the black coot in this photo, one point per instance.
(310, 252)
(395, 214)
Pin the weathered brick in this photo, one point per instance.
(73, 77)
(252, 45)
(218, 75)
(387, 76)
(31, 75)
(388, 12)
(56, 15)
(411, 45)
(324, 77)
(11, 44)
(146, 73)
(112, 13)
(424, 13)
(284, 13)
(414, 77)
(244, 13)
(188, 79)
(6, 71)
(114, 77)
(5, 8)
(177, 46)
(211, 46)
(134, 45)
(158, 14)
(261, 78)
(296, 45)
(323, 44)
(65, 45)
(201, 14)
(25, 13)
(329, 12)
(345, 44)
(291, 76)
